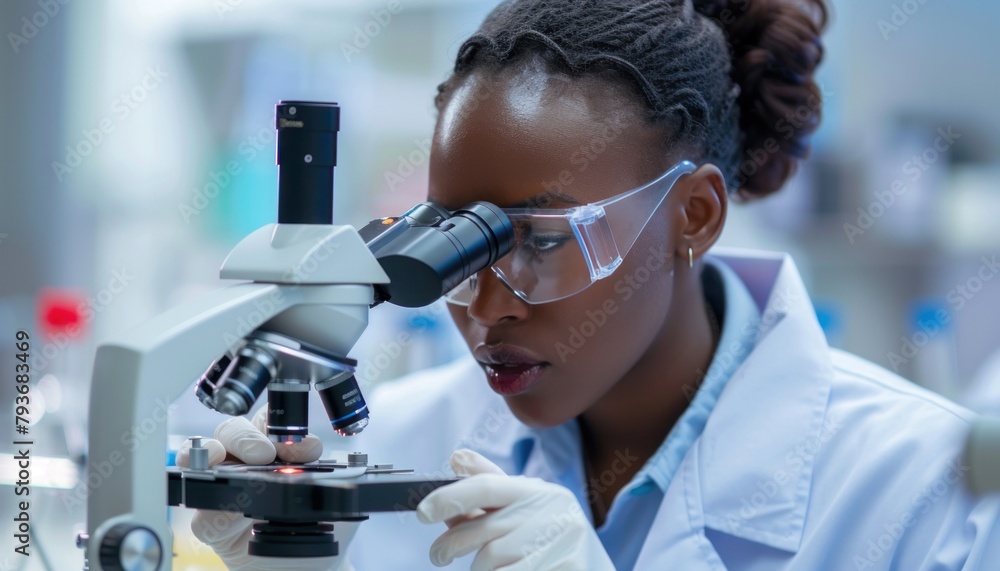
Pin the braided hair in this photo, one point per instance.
(731, 79)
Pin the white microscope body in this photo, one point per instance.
(309, 282)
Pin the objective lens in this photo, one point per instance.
(344, 404)
(205, 389)
(287, 412)
(248, 376)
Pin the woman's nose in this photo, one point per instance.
(493, 303)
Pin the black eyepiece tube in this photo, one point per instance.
(425, 262)
(306, 157)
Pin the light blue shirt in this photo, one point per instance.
(636, 504)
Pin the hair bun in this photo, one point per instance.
(710, 8)
(775, 49)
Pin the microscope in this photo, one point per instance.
(305, 287)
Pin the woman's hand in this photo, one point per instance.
(515, 523)
(228, 533)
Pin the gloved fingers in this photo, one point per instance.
(216, 452)
(220, 530)
(452, 522)
(559, 541)
(308, 450)
(534, 548)
(471, 536)
(481, 491)
(497, 555)
(259, 420)
(244, 441)
(465, 462)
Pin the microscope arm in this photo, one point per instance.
(138, 374)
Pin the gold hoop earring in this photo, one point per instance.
(690, 257)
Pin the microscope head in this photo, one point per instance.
(423, 253)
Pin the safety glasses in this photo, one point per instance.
(560, 252)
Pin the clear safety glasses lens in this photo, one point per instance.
(558, 253)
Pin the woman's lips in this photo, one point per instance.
(510, 380)
(510, 370)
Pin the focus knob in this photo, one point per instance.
(128, 547)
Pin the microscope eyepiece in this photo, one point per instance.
(428, 251)
(307, 155)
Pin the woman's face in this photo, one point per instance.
(523, 136)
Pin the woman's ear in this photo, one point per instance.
(703, 210)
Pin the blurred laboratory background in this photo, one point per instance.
(139, 149)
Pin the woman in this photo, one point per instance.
(680, 410)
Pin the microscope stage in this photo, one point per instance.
(301, 492)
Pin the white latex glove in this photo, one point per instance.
(228, 533)
(515, 523)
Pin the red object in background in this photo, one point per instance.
(60, 312)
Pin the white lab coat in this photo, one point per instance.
(983, 392)
(812, 458)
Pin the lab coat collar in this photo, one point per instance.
(749, 487)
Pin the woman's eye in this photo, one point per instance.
(547, 243)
